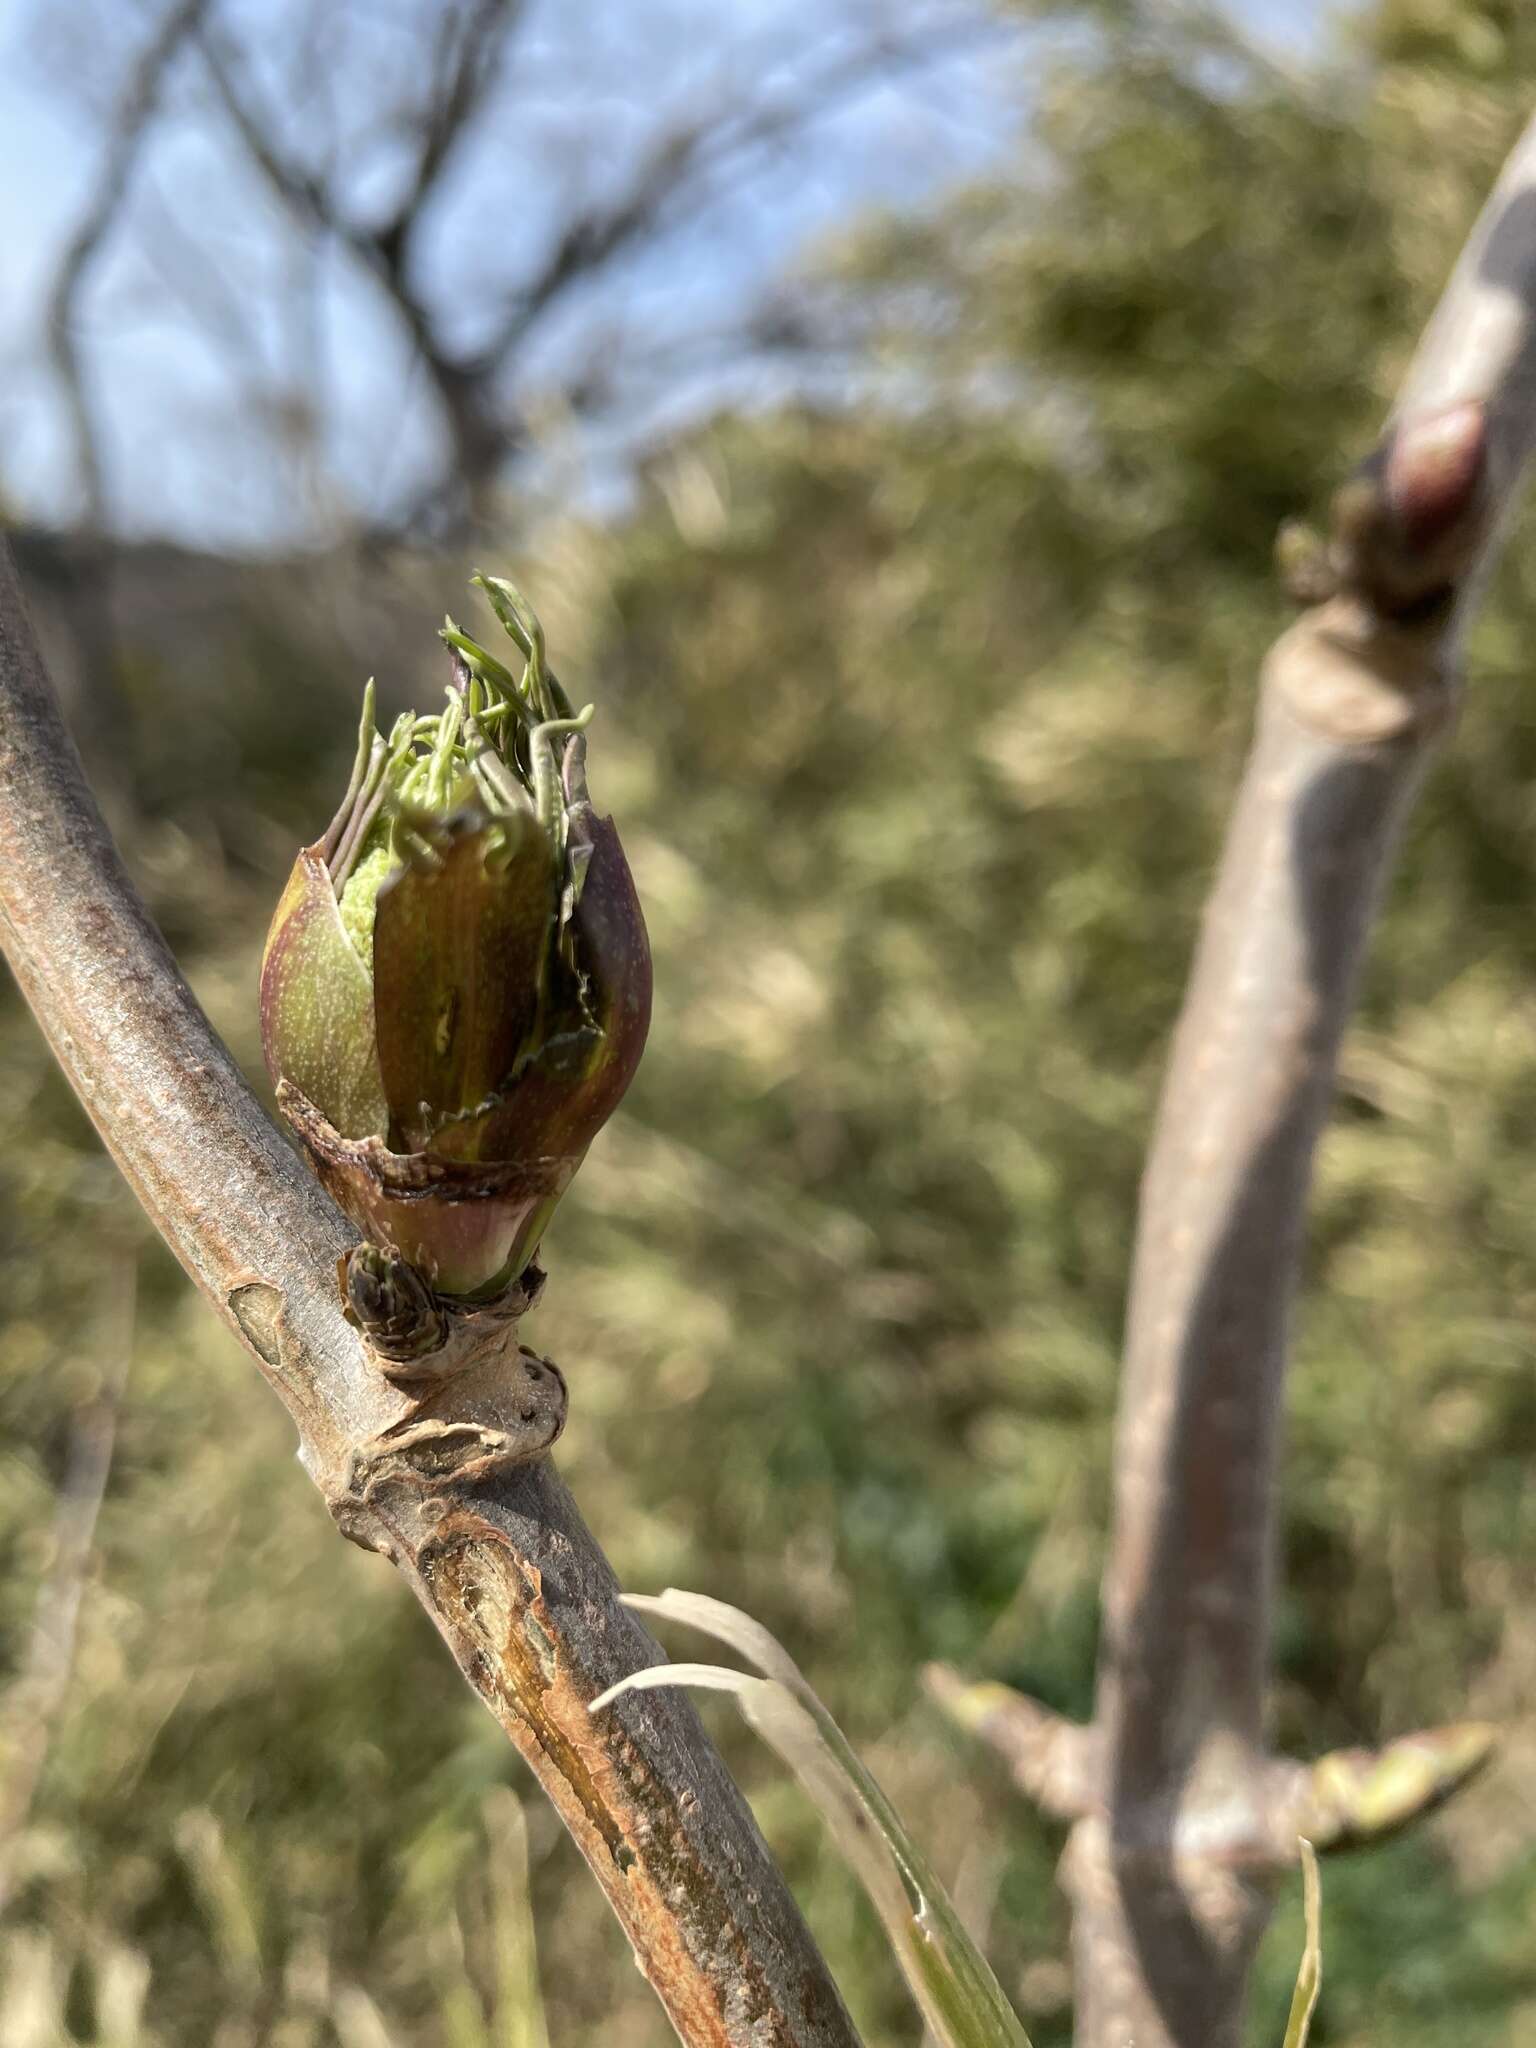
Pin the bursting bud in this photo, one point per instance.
(457, 985)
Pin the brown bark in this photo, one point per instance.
(1171, 1870)
(1182, 1819)
(449, 1482)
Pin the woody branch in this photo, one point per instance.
(1182, 1817)
(449, 1485)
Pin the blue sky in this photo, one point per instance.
(167, 400)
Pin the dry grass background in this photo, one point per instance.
(919, 724)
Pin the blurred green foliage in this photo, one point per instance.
(919, 719)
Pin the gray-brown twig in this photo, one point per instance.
(1187, 1817)
(442, 1483)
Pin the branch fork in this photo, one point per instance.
(1348, 1799)
(1180, 1817)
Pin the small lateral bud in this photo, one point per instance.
(1434, 468)
(391, 1304)
(1406, 525)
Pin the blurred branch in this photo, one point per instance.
(685, 169)
(30, 1712)
(1052, 1759)
(1172, 1868)
(130, 129)
(496, 1552)
(1354, 695)
(687, 166)
(479, 437)
(471, 61)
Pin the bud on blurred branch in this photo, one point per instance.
(457, 984)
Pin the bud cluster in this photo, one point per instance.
(457, 985)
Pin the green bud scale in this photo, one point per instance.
(457, 984)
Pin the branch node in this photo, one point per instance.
(487, 1418)
(1356, 678)
(414, 1335)
(1405, 526)
(1352, 1798)
(388, 1301)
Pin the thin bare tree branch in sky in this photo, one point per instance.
(131, 126)
(457, 99)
